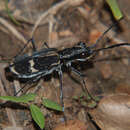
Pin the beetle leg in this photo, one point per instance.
(83, 81)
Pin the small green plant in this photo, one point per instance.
(85, 100)
(36, 113)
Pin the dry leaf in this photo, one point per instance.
(71, 125)
(113, 112)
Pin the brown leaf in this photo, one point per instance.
(94, 35)
(71, 125)
(53, 36)
(106, 71)
(113, 112)
(123, 88)
(65, 33)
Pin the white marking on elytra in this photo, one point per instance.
(13, 70)
(32, 68)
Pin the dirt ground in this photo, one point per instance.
(62, 24)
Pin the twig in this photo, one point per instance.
(51, 24)
(54, 9)
(12, 30)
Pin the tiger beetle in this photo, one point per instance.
(48, 60)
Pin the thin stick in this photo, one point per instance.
(54, 9)
(12, 30)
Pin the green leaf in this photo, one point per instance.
(37, 116)
(83, 94)
(84, 103)
(75, 97)
(92, 105)
(23, 99)
(52, 105)
(97, 98)
(115, 9)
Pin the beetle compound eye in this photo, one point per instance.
(83, 54)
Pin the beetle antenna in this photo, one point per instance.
(104, 33)
(112, 46)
